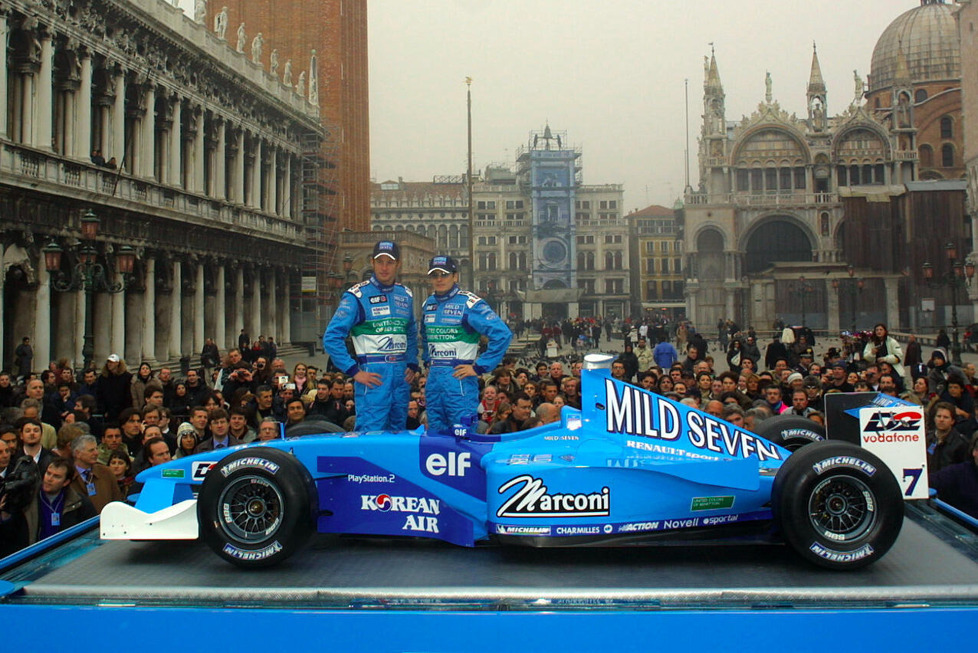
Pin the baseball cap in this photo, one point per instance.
(387, 248)
(113, 358)
(443, 263)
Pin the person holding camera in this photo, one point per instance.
(18, 482)
(53, 508)
(882, 347)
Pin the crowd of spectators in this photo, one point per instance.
(83, 440)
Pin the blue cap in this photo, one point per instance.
(444, 263)
(387, 248)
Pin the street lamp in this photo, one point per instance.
(853, 288)
(88, 274)
(803, 288)
(959, 275)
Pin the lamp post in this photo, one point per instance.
(958, 275)
(853, 288)
(88, 274)
(804, 288)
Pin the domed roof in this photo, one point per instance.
(928, 36)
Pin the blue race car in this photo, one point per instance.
(631, 467)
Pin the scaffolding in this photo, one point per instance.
(319, 213)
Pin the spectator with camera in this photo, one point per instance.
(53, 508)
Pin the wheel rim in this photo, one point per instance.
(842, 508)
(251, 509)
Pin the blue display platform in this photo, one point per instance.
(396, 595)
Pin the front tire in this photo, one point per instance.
(256, 507)
(837, 505)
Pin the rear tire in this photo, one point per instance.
(257, 507)
(791, 431)
(837, 505)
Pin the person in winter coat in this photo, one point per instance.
(882, 347)
(114, 387)
(940, 369)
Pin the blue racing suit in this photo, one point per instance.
(450, 330)
(381, 321)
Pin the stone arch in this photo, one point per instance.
(763, 137)
(848, 135)
(777, 238)
(710, 244)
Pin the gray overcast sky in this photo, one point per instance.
(608, 72)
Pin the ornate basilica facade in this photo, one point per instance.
(198, 172)
(770, 206)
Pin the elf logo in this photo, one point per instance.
(884, 420)
(454, 463)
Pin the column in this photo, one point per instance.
(42, 319)
(254, 328)
(270, 324)
(892, 286)
(117, 341)
(117, 147)
(197, 170)
(220, 311)
(287, 188)
(176, 145)
(832, 306)
(286, 311)
(83, 111)
(199, 309)
(176, 310)
(43, 131)
(238, 196)
(220, 162)
(146, 159)
(3, 89)
(238, 302)
(79, 339)
(255, 199)
(149, 312)
(273, 184)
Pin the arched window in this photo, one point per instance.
(920, 95)
(947, 156)
(947, 128)
(609, 261)
(926, 156)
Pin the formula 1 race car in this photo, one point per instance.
(630, 467)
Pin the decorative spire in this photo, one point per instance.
(816, 84)
(713, 74)
(901, 77)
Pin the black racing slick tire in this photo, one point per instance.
(837, 505)
(257, 507)
(312, 427)
(791, 431)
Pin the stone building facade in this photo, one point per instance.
(323, 41)
(763, 231)
(207, 187)
(545, 244)
(829, 221)
(656, 252)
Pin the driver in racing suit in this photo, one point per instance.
(452, 322)
(379, 315)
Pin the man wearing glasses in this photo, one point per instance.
(452, 323)
(379, 316)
